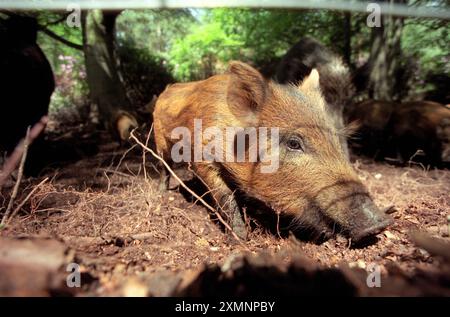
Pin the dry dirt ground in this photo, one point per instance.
(130, 238)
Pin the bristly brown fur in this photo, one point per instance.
(320, 174)
(350, 129)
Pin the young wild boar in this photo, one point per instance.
(314, 183)
(335, 79)
(421, 125)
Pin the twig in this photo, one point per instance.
(106, 170)
(123, 157)
(109, 181)
(11, 162)
(278, 225)
(143, 152)
(19, 178)
(349, 243)
(187, 188)
(207, 187)
(57, 21)
(246, 219)
(59, 38)
(209, 191)
(13, 214)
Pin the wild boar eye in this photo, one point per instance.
(295, 143)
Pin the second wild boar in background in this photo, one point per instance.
(414, 131)
(372, 135)
(420, 131)
(314, 185)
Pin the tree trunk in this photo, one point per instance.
(106, 88)
(385, 57)
(347, 37)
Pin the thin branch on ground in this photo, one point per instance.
(106, 170)
(208, 206)
(143, 152)
(19, 178)
(278, 225)
(11, 162)
(123, 157)
(13, 214)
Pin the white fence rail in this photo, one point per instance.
(429, 11)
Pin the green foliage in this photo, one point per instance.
(259, 36)
(269, 33)
(198, 54)
(428, 41)
(153, 30)
(67, 63)
(156, 45)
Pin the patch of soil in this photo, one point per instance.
(107, 208)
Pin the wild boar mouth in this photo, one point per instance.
(359, 223)
(358, 219)
(314, 225)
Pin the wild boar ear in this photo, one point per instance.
(246, 88)
(310, 82)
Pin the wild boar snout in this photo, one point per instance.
(368, 220)
(353, 210)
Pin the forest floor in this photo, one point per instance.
(130, 239)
